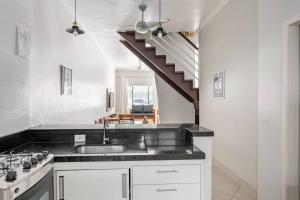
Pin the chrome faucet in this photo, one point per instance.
(106, 140)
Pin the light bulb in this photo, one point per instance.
(75, 32)
(159, 34)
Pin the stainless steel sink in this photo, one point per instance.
(101, 149)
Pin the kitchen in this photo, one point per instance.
(101, 99)
(51, 148)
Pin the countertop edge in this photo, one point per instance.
(201, 133)
(107, 158)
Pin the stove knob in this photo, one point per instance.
(33, 160)
(27, 165)
(11, 176)
(40, 157)
(45, 154)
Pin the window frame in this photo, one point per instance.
(148, 94)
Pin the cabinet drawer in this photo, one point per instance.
(165, 192)
(166, 174)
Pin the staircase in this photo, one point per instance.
(147, 52)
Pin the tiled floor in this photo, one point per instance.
(226, 187)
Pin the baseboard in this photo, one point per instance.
(219, 164)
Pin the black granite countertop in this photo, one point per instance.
(66, 152)
(159, 142)
(194, 129)
(100, 126)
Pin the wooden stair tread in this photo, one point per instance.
(170, 65)
(179, 72)
(140, 40)
(160, 56)
(150, 48)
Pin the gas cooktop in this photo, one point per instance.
(15, 167)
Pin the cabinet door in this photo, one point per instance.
(93, 184)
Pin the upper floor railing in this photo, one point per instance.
(180, 52)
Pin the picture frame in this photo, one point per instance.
(110, 100)
(23, 40)
(66, 80)
(219, 85)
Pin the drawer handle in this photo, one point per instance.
(167, 190)
(166, 171)
(124, 185)
(61, 185)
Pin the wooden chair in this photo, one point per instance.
(126, 119)
(111, 120)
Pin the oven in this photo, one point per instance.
(43, 190)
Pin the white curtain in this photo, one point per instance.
(122, 84)
(121, 95)
(155, 100)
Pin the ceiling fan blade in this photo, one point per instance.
(154, 24)
(131, 28)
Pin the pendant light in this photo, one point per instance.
(159, 32)
(75, 30)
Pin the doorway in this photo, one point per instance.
(291, 111)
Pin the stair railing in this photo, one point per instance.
(187, 44)
(175, 58)
(179, 52)
(177, 45)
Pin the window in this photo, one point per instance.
(140, 95)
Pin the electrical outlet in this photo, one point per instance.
(79, 138)
(267, 125)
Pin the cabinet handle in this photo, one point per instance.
(61, 188)
(167, 190)
(124, 185)
(166, 171)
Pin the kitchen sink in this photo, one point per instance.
(101, 149)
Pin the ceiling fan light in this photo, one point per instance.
(75, 33)
(142, 27)
(75, 30)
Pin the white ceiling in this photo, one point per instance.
(103, 18)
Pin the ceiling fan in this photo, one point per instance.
(144, 27)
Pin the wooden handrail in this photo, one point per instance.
(188, 40)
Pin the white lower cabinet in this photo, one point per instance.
(163, 182)
(164, 174)
(167, 192)
(112, 184)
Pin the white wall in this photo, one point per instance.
(173, 107)
(14, 71)
(229, 43)
(271, 16)
(52, 46)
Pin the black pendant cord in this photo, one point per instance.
(75, 10)
(159, 19)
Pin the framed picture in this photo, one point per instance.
(219, 85)
(110, 100)
(66, 80)
(23, 43)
